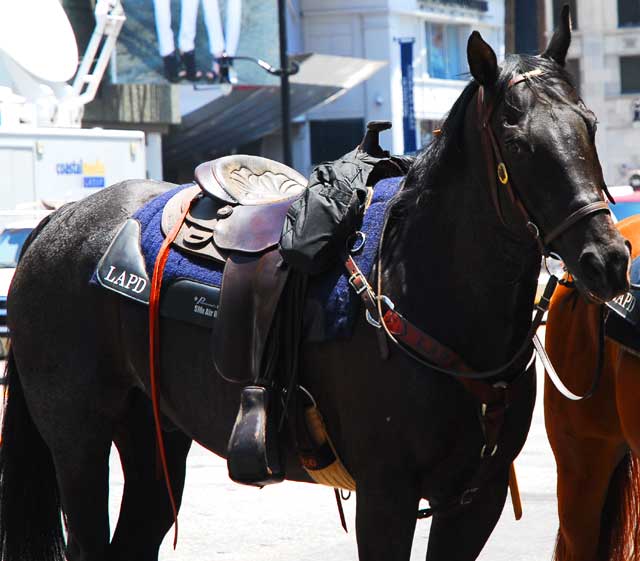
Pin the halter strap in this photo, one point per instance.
(591, 208)
(498, 173)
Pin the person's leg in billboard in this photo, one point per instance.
(232, 26)
(232, 34)
(166, 47)
(213, 23)
(186, 39)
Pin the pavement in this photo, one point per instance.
(220, 520)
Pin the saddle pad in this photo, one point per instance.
(623, 321)
(331, 307)
(191, 285)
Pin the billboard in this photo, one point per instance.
(179, 40)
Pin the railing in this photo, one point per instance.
(480, 5)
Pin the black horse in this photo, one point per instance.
(460, 270)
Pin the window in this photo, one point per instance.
(11, 242)
(628, 13)
(629, 74)
(446, 51)
(427, 126)
(481, 5)
(333, 138)
(557, 8)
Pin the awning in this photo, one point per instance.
(247, 113)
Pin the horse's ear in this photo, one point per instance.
(482, 60)
(559, 44)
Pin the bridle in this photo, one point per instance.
(492, 392)
(499, 176)
(419, 345)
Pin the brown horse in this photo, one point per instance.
(596, 442)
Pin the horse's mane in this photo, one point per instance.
(424, 175)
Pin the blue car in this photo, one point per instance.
(626, 205)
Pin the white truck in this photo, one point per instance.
(44, 152)
(54, 165)
(46, 157)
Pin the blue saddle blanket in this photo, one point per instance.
(331, 307)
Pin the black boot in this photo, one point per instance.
(227, 72)
(172, 67)
(190, 72)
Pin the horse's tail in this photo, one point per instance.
(620, 520)
(30, 521)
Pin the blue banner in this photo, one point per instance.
(408, 113)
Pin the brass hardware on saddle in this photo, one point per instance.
(224, 211)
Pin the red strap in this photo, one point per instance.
(402, 329)
(154, 350)
(422, 343)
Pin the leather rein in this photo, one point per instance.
(425, 349)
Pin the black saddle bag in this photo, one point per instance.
(254, 455)
(319, 223)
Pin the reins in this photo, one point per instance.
(154, 354)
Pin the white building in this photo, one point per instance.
(373, 29)
(605, 56)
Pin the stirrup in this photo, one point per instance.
(254, 456)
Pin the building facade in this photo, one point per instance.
(605, 58)
(436, 32)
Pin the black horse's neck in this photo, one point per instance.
(451, 266)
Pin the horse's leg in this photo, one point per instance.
(82, 469)
(585, 467)
(460, 535)
(386, 519)
(145, 512)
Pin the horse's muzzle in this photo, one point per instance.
(604, 272)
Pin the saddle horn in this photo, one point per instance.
(371, 141)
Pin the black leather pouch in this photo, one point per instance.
(254, 456)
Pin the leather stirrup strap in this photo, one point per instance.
(154, 350)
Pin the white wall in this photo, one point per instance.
(370, 29)
(598, 43)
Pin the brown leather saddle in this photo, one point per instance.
(237, 220)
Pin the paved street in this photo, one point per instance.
(292, 521)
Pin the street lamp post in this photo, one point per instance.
(285, 100)
(286, 69)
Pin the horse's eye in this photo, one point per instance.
(510, 119)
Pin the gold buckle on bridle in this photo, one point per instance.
(503, 176)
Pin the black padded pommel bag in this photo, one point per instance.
(319, 223)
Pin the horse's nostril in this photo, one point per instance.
(592, 266)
